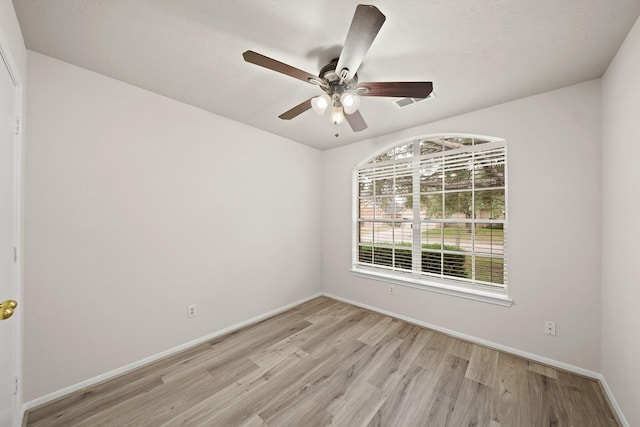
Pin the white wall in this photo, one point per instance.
(620, 227)
(12, 38)
(138, 205)
(134, 210)
(554, 218)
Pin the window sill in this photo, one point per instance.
(481, 295)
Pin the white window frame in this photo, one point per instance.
(460, 288)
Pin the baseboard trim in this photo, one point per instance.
(531, 356)
(476, 340)
(613, 401)
(131, 366)
(116, 372)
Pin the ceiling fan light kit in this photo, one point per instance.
(320, 103)
(339, 80)
(337, 116)
(350, 102)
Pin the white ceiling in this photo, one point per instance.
(477, 52)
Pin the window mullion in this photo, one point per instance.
(416, 246)
(473, 216)
(444, 213)
(394, 216)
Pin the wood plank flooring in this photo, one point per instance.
(329, 363)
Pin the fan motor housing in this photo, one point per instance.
(330, 76)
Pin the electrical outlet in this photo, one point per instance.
(191, 310)
(550, 328)
(392, 290)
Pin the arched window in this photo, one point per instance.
(432, 212)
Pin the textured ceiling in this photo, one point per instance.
(477, 52)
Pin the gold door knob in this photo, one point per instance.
(7, 308)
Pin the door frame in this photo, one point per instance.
(9, 61)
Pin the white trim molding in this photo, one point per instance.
(612, 400)
(471, 293)
(475, 340)
(131, 366)
(534, 357)
(531, 356)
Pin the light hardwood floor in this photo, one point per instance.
(329, 363)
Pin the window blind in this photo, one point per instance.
(435, 208)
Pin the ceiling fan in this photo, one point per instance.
(339, 79)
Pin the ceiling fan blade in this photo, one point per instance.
(396, 89)
(281, 67)
(356, 121)
(297, 110)
(365, 25)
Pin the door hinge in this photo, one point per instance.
(15, 254)
(16, 383)
(17, 129)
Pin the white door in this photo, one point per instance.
(8, 239)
